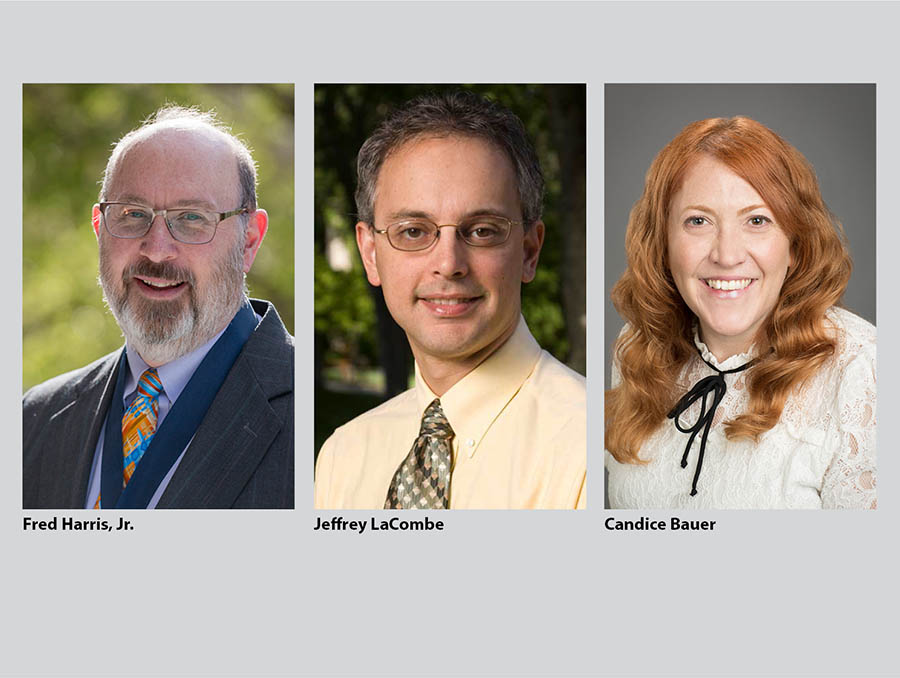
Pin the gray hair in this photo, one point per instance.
(455, 113)
(172, 115)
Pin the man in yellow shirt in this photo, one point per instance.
(449, 199)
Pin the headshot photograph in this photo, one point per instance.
(740, 279)
(450, 296)
(158, 356)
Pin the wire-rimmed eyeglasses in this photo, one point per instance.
(190, 225)
(413, 235)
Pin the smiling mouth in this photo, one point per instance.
(450, 307)
(157, 288)
(449, 302)
(162, 284)
(727, 285)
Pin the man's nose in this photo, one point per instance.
(450, 254)
(157, 243)
(728, 248)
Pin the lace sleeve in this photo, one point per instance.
(615, 377)
(850, 479)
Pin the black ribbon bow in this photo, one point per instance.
(714, 384)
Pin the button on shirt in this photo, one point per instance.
(520, 437)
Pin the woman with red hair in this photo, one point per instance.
(738, 382)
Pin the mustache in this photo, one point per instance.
(163, 270)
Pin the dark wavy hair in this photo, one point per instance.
(793, 343)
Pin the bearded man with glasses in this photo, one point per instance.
(197, 410)
(449, 198)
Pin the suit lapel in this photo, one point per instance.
(79, 421)
(230, 443)
(239, 426)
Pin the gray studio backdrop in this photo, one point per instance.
(832, 125)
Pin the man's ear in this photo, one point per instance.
(365, 241)
(531, 250)
(256, 231)
(95, 220)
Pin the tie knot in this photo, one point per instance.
(434, 423)
(149, 385)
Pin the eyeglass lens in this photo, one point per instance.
(419, 234)
(187, 225)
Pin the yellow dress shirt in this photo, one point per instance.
(520, 441)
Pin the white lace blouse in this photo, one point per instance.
(821, 453)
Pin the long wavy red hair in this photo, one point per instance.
(793, 343)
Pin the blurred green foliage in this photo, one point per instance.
(345, 115)
(68, 132)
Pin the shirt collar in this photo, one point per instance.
(174, 375)
(475, 401)
(730, 362)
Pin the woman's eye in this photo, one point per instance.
(696, 221)
(759, 220)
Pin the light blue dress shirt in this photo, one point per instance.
(174, 376)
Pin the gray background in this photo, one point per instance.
(832, 125)
(518, 593)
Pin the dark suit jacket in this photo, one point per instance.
(242, 455)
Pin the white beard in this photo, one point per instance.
(162, 331)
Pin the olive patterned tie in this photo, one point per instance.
(422, 480)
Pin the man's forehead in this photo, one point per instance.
(187, 154)
(460, 140)
(446, 164)
(179, 139)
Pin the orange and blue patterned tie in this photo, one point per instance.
(139, 422)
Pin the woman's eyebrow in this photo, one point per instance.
(699, 208)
